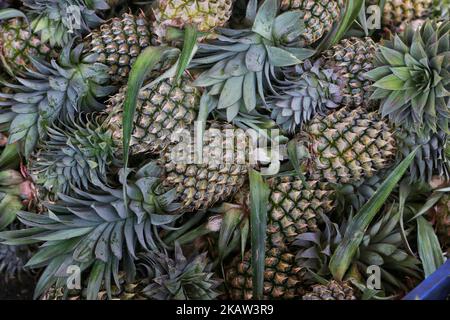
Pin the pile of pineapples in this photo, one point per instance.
(352, 104)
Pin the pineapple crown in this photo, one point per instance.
(179, 278)
(304, 91)
(75, 153)
(316, 248)
(97, 228)
(412, 78)
(53, 19)
(382, 246)
(242, 60)
(430, 160)
(56, 90)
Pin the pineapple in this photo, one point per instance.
(204, 14)
(216, 178)
(430, 160)
(50, 28)
(295, 208)
(350, 59)
(333, 290)
(398, 12)
(318, 16)
(121, 291)
(118, 43)
(345, 146)
(18, 44)
(282, 278)
(161, 110)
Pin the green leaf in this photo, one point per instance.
(378, 73)
(390, 82)
(352, 10)
(290, 21)
(231, 92)
(431, 201)
(300, 53)
(281, 58)
(393, 57)
(47, 278)
(9, 207)
(95, 280)
(429, 248)
(12, 13)
(231, 220)
(46, 253)
(265, 18)
(259, 198)
(363, 19)
(10, 157)
(402, 73)
(346, 250)
(245, 229)
(189, 49)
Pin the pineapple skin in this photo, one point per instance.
(119, 42)
(205, 14)
(318, 16)
(351, 58)
(160, 110)
(397, 12)
(331, 291)
(18, 43)
(347, 146)
(202, 184)
(282, 278)
(295, 209)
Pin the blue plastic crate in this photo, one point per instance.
(435, 287)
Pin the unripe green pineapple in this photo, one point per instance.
(119, 42)
(350, 59)
(295, 208)
(398, 12)
(318, 16)
(334, 290)
(18, 43)
(125, 291)
(345, 146)
(161, 110)
(216, 178)
(282, 278)
(204, 14)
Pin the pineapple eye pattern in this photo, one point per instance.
(223, 149)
